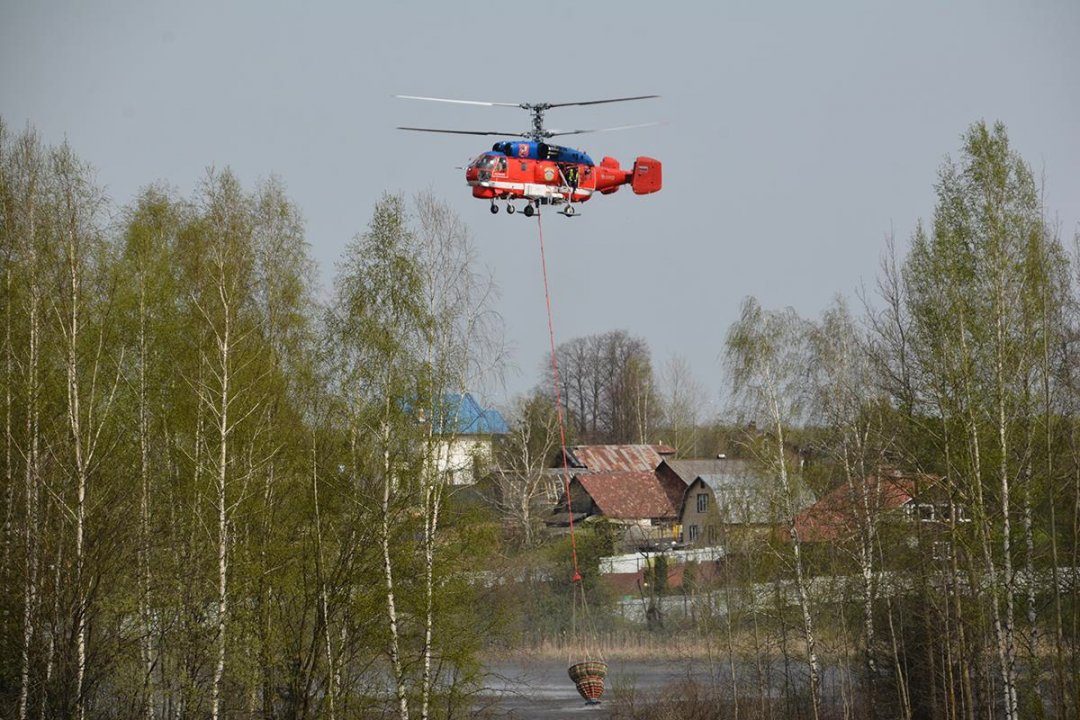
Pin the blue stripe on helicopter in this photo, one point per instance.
(540, 151)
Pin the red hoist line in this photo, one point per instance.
(558, 400)
(588, 675)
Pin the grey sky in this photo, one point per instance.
(800, 134)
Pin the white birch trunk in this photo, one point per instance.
(388, 575)
(75, 426)
(1059, 626)
(32, 473)
(50, 647)
(801, 589)
(430, 526)
(146, 646)
(9, 470)
(222, 524)
(323, 601)
(1006, 637)
(970, 398)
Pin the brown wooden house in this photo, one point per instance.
(729, 503)
(636, 501)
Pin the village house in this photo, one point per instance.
(619, 483)
(465, 435)
(616, 458)
(888, 494)
(634, 501)
(727, 501)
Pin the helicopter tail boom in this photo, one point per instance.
(644, 177)
(647, 176)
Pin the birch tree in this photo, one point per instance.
(845, 404)
(25, 180)
(409, 322)
(767, 358)
(282, 277)
(523, 458)
(377, 321)
(92, 376)
(972, 285)
(149, 319)
(461, 350)
(228, 383)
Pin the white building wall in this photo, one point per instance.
(458, 458)
(633, 562)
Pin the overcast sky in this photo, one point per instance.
(798, 134)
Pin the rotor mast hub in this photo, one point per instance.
(538, 134)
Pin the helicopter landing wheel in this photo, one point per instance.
(494, 209)
(529, 210)
(510, 209)
(569, 211)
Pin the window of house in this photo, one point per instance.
(692, 533)
(703, 502)
(947, 513)
(712, 533)
(926, 513)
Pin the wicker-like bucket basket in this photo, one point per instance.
(589, 677)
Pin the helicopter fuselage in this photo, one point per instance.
(542, 173)
(554, 175)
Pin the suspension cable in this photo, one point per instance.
(558, 399)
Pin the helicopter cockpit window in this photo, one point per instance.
(485, 162)
(500, 165)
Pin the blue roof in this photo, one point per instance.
(464, 416)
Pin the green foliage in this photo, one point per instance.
(198, 307)
(323, 471)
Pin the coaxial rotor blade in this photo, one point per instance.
(527, 106)
(459, 102)
(553, 133)
(601, 102)
(462, 132)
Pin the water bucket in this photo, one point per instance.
(589, 677)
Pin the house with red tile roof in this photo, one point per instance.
(631, 497)
(904, 496)
(635, 500)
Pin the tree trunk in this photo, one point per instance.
(146, 645)
(324, 604)
(801, 589)
(33, 466)
(388, 573)
(222, 507)
(75, 426)
(9, 384)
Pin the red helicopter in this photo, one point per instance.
(545, 174)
